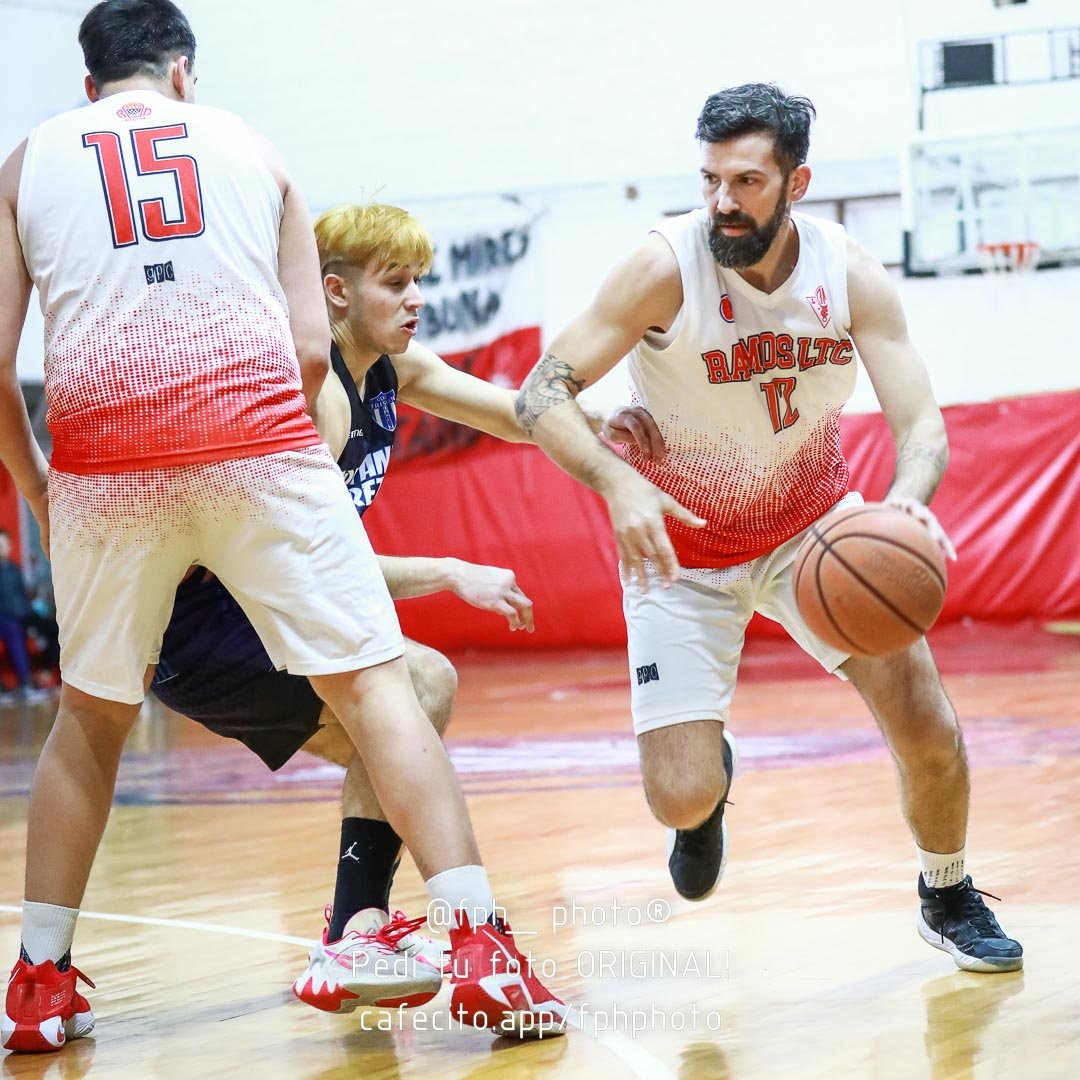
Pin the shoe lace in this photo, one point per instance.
(399, 926)
(970, 906)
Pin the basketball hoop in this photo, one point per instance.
(1009, 256)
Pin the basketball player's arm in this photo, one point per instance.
(427, 382)
(489, 588)
(332, 414)
(643, 291)
(902, 386)
(300, 278)
(19, 451)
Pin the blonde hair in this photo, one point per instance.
(358, 234)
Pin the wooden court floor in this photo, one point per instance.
(805, 963)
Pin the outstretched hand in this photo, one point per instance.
(491, 588)
(921, 512)
(637, 515)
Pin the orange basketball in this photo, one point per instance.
(869, 579)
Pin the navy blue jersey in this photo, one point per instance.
(373, 420)
(213, 667)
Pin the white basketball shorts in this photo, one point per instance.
(281, 533)
(684, 643)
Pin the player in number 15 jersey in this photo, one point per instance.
(184, 333)
(151, 227)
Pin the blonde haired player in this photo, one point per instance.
(741, 320)
(213, 667)
(178, 278)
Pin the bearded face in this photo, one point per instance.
(747, 247)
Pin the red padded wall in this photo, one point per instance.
(1010, 501)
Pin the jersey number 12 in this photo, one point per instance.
(782, 412)
(114, 182)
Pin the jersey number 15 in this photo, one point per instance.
(114, 182)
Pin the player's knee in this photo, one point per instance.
(339, 750)
(103, 718)
(331, 742)
(682, 804)
(930, 740)
(436, 682)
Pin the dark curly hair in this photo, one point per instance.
(741, 110)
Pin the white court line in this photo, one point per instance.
(184, 924)
(637, 1059)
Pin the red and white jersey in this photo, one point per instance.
(150, 228)
(747, 389)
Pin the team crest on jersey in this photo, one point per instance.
(820, 303)
(133, 110)
(727, 312)
(384, 409)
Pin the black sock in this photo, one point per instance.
(368, 857)
(61, 965)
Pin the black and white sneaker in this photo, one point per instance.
(957, 921)
(697, 857)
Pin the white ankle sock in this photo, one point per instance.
(460, 887)
(47, 930)
(941, 871)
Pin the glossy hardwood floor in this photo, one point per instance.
(213, 874)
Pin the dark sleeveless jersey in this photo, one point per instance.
(213, 667)
(372, 423)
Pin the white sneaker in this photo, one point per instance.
(379, 960)
(35, 695)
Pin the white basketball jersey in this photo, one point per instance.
(150, 227)
(747, 389)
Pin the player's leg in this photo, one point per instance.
(70, 801)
(907, 700)
(369, 848)
(408, 769)
(683, 646)
(390, 962)
(905, 694)
(115, 569)
(301, 567)
(69, 807)
(434, 681)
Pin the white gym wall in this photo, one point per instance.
(586, 111)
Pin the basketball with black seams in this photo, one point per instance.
(869, 579)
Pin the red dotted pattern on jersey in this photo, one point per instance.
(753, 502)
(135, 382)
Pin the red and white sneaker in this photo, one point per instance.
(434, 950)
(494, 986)
(43, 1010)
(379, 960)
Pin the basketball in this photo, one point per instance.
(869, 579)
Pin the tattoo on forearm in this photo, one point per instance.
(920, 466)
(920, 452)
(550, 383)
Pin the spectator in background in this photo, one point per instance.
(14, 609)
(41, 625)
